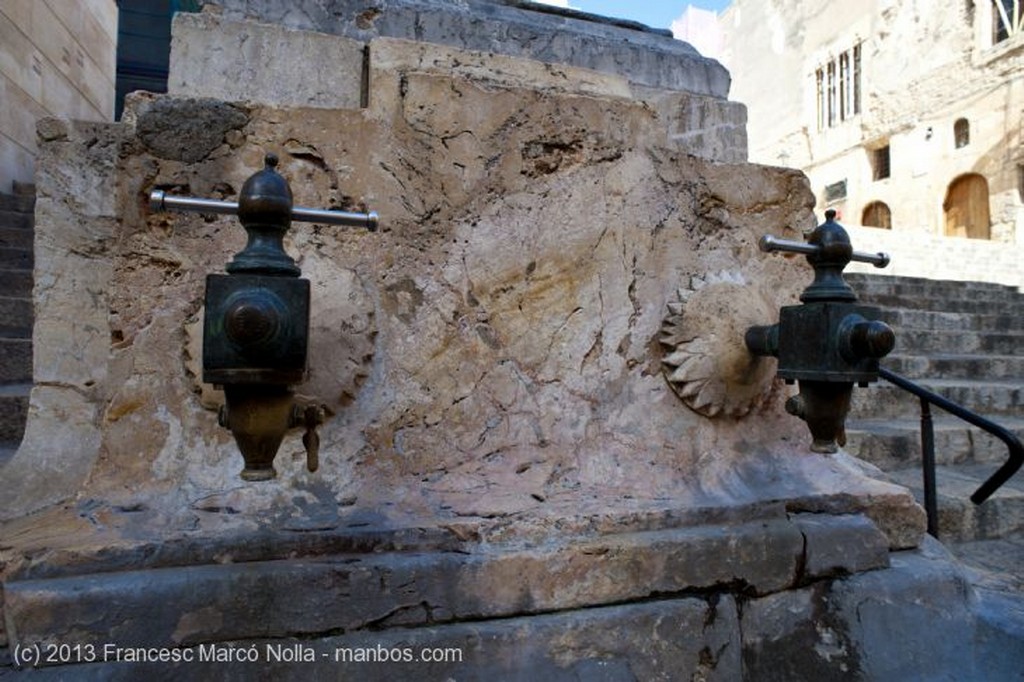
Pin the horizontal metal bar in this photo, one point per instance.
(321, 215)
(1013, 444)
(769, 243)
(161, 201)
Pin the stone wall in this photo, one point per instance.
(504, 452)
(221, 53)
(909, 105)
(493, 350)
(56, 59)
(920, 253)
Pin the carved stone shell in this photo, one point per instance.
(706, 361)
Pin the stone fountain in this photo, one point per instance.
(545, 445)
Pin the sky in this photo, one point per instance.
(654, 13)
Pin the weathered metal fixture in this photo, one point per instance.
(256, 324)
(829, 343)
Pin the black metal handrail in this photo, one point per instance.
(985, 490)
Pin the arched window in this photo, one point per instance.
(962, 132)
(877, 214)
(966, 207)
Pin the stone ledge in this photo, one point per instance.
(189, 605)
(914, 620)
(840, 544)
(644, 57)
(687, 638)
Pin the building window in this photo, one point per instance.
(819, 77)
(1006, 19)
(962, 133)
(837, 89)
(845, 91)
(877, 214)
(831, 68)
(966, 207)
(880, 163)
(835, 192)
(856, 79)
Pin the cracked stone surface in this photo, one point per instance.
(505, 466)
(490, 359)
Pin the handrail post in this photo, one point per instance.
(931, 505)
(1015, 450)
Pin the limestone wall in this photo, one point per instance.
(56, 59)
(493, 353)
(226, 54)
(918, 253)
(542, 423)
(910, 105)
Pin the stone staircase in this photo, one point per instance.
(16, 235)
(965, 341)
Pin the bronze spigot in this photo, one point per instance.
(828, 343)
(256, 321)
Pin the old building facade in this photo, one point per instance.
(906, 116)
(56, 59)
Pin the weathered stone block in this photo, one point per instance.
(251, 61)
(837, 545)
(686, 638)
(185, 130)
(188, 605)
(794, 635)
(911, 621)
(644, 56)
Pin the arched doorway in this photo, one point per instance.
(966, 207)
(877, 214)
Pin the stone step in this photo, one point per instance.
(13, 411)
(370, 592)
(17, 221)
(956, 303)
(867, 285)
(16, 313)
(15, 360)
(16, 283)
(893, 444)
(993, 564)
(960, 520)
(16, 259)
(13, 238)
(903, 319)
(18, 203)
(956, 366)
(20, 188)
(989, 397)
(923, 342)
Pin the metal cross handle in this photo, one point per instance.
(161, 201)
(769, 243)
